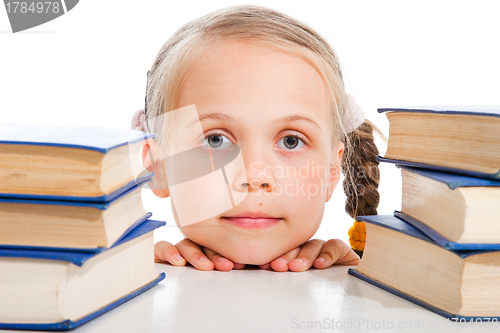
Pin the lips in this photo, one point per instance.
(252, 220)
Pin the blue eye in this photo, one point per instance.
(217, 141)
(291, 142)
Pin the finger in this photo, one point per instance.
(238, 265)
(166, 252)
(351, 258)
(308, 253)
(337, 252)
(194, 255)
(281, 264)
(266, 266)
(221, 263)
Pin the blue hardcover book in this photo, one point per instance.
(69, 162)
(406, 262)
(451, 180)
(455, 139)
(98, 139)
(454, 209)
(441, 240)
(81, 226)
(142, 179)
(58, 290)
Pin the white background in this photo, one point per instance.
(89, 66)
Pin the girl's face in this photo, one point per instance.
(275, 106)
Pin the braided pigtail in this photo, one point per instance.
(361, 179)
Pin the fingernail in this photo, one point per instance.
(221, 259)
(298, 260)
(283, 260)
(203, 259)
(321, 259)
(177, 256)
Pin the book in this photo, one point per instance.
(455, 284)
(68, 162)
(460, 208)
(455, 139)
(90, 226)
(440, 239)
(46, 289)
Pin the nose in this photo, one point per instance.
(259, 175)
(264, 185)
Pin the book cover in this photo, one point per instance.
(62, 199)
(67, 249)
(450, 179)
(477, 110)
(490, 111)
(416, 301)
(78, 257)
(464, 172)
(397, 224)
(91, 138)
(93, 204)
(440, 239)
(69, 324)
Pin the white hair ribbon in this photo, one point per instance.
(354, 115)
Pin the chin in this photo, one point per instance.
(253, 261)
(260, 257)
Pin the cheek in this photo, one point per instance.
(304, 191)
(303, 183)
(197, 232)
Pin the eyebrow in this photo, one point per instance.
(293, 118)
(215, 116)
(225, 117)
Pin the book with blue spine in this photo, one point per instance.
(69, 162)
(60, 290)
(453, 283)
(87, 226)
(461, 209)
(450, 138)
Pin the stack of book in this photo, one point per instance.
(442, 250)
(75, 239)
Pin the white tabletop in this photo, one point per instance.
(254, 300)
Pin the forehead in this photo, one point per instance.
(239, 75)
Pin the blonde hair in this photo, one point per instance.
(276, 30)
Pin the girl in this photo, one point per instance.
(272, 86)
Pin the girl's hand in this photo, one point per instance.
(317, 253)
(200, 257)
